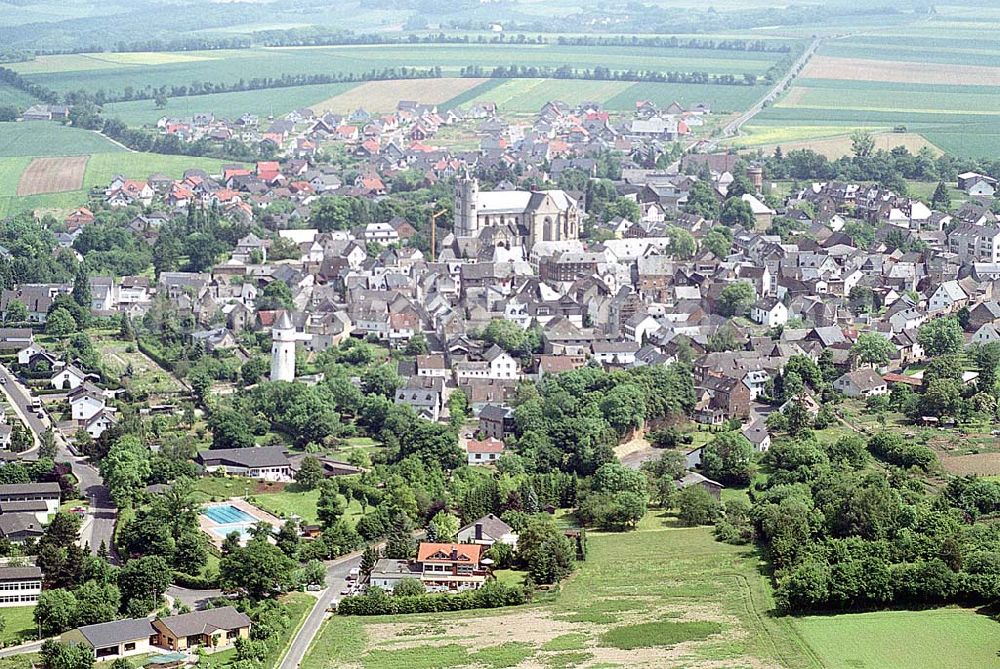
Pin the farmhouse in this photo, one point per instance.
(861, 383)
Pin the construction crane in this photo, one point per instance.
(434, 217)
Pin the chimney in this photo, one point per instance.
(454, 553)
(479, 531)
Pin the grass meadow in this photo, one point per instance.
(45, 138)
(662, 596)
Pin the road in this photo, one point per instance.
(732, 128)
(101, 524)
(24, 648)
(336, 579)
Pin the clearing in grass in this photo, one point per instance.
(52, 175)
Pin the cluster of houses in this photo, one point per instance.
(25, 509)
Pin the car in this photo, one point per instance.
(3, 380)
(345, 591)
(40, 415)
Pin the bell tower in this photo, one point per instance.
(283, 349)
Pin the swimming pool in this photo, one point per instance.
(225, 530)
(227, 514)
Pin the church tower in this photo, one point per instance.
(466, 205)
(283, 349)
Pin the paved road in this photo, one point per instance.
(733, 127)
(196, 599)
(103, 512)
(24, 648)
(336, 580)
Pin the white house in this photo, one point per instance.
(769, 311)
(487, 531)
(484, 452)
(501, 364)
(269, 463)
(986, 334)
(948, 296)
(68, 378)
(861, 383)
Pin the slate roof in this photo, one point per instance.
(117, 631)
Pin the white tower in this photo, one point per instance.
(283, 349)
(466, 207)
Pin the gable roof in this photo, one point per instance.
(206, 622)
(464, 553)
(117, 631)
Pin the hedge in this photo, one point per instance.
(376, 602)
(192, 582)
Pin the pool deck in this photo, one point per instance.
(207, 524)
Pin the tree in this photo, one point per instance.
(941, 336)
(257, 570)
(703, 200)
(142, 582)
(399, 544)
(443, 527)
(740, 186)
(624, 407)
(727, 459)
(719, 240)
(126, 469)
(735, 299)
(368, 559)
(56, 655)
(230, 429)
(697, 506)
(381, 380)
(47, 449)
(408, 587)
(941, 200)
(682, 243)
(60, 323)
(871, 348)
(288, 538)
(329, 507)
(97, 603)
(160, 101)
(253, 370)
(276, 295)
(545, 551)
(737, 211)
(55, 611)
(417, 345)
(310, 473)
(862, 143)
(81, 289)
(126, 331)
(16, 312)
(314, 573)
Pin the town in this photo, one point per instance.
(514, 364)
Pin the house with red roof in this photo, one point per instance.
(268, 170)
(485, 452)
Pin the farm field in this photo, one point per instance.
(662, 596)
(829, 142)
(950, 638)
(101, 166)
(384, 96)
(939, 78)
(52, 175)
(63, 73)
(263, 103)
(43, 138)
(147, 377)
(529, 95)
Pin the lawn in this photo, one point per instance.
(674, 596)
(282, 501)
(19, 625)
(46, 138)
(940, 638)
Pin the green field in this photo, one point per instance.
(263, 103)
(939, 638)
(90, 71)
(672, 595)
(15, 97)
(19, 625)
(43, 138)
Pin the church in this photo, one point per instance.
(515, 218)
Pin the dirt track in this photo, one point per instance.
(52, 175)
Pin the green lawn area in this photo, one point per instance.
(950, 638)
(45, 138)
(19, 625)
(673, 595)
(117, 356)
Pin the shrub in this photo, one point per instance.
(377, 602)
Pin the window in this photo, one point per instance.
(129, 646)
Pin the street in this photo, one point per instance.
(336, 579)
(101, 525)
